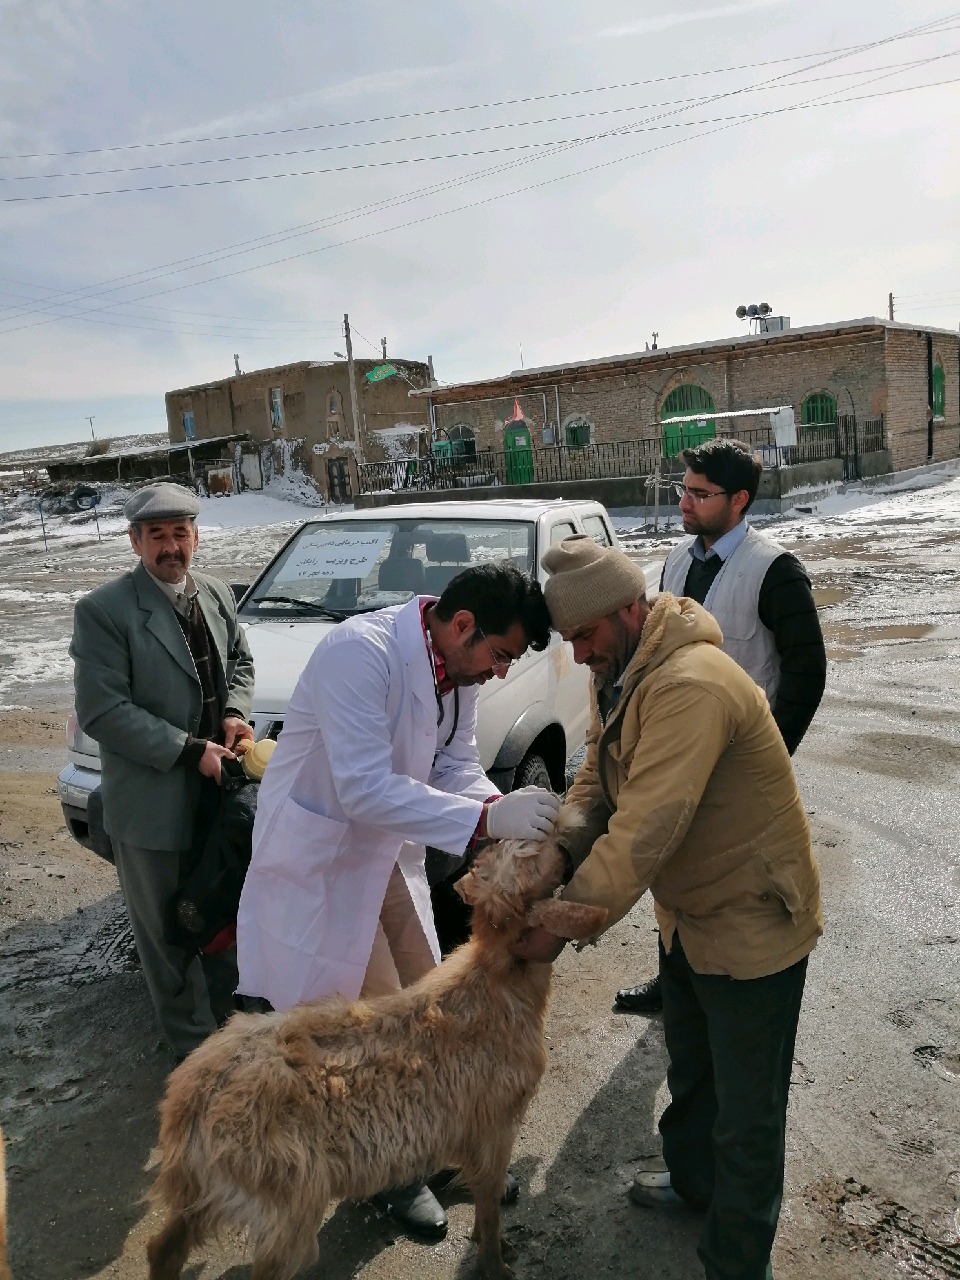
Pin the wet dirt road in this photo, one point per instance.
(873, 1167)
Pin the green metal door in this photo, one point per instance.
(680, 403)
(518, 453)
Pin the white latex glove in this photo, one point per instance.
(528, 814)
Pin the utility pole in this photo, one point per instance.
(890, 305)
(90, 420)
(383, 347)
(354, 411)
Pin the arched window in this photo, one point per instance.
(818, 410)
(463, 441)
(576, 431)
(681, 403)
(939, 391)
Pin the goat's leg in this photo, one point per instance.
(167, 1251)
(283, 1260)
(486, 1230)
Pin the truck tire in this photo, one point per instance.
(532, 771)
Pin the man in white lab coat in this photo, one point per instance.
(377, 759)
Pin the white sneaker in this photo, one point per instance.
(653, 1189)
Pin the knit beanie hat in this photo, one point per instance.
(588, 581)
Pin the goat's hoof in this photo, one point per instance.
(496, 1271)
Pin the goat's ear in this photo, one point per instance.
(468, 887)
(574, 920)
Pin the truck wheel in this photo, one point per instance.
(532, 772)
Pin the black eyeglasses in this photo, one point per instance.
(698, 495)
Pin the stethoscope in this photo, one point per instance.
(436, 690)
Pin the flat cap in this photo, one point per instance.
(162, 502)
(588, 581)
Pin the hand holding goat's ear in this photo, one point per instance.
(538, 945)
(552, 923)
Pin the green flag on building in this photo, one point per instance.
(379, 372)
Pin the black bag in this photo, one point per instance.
(208, 894)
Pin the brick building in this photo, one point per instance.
(303, 412)
(901, 379)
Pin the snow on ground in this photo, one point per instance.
(290, 500)
(882, 514)
(253, 510)
(855, 509)
(286, 500)
(41, 661)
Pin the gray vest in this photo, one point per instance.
(733, 599)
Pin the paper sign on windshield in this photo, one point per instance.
(335, 555)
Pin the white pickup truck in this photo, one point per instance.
(529, 724)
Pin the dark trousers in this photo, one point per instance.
(191, 994)
(730, 1045)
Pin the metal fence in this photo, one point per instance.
(815, 443)
(534, 466)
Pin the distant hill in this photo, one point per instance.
(28, 459)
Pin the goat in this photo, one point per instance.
(278, 1114)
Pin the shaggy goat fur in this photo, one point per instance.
(278, 1114)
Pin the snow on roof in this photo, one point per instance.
(546, 372)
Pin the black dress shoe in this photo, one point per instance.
(414, 1208)
(646, 998)
(446, 1180)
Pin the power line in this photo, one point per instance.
(928, 297)
(454, 133)
(413, 222)
(427, 217)
(460, 155)
(396, 201)
(197, 261)
(304, 326)
(477, 106)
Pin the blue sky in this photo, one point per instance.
(572, 224)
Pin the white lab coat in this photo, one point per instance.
(360, 781)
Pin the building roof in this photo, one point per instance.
(546, 374)
(360, 363)
(144, 451)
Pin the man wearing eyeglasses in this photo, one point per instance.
(377, 759)
(758, 592)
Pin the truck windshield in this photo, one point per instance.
(351, 566)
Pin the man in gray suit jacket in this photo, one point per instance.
(164, 681)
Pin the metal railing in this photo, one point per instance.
(555, 464)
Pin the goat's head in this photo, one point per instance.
(511, 884)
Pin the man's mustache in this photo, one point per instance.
(171, 555)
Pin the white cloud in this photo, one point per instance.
(397, 81)
(664, 21)
(693, 221)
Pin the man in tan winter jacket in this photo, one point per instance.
(687, 790)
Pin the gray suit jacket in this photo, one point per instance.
(138, 696)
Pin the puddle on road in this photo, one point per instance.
(942, 1062)
(922, 1245)
(94, 945)
(826, 596)
(846, 640)
(907, 756)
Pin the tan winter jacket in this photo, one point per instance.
(688, 791)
